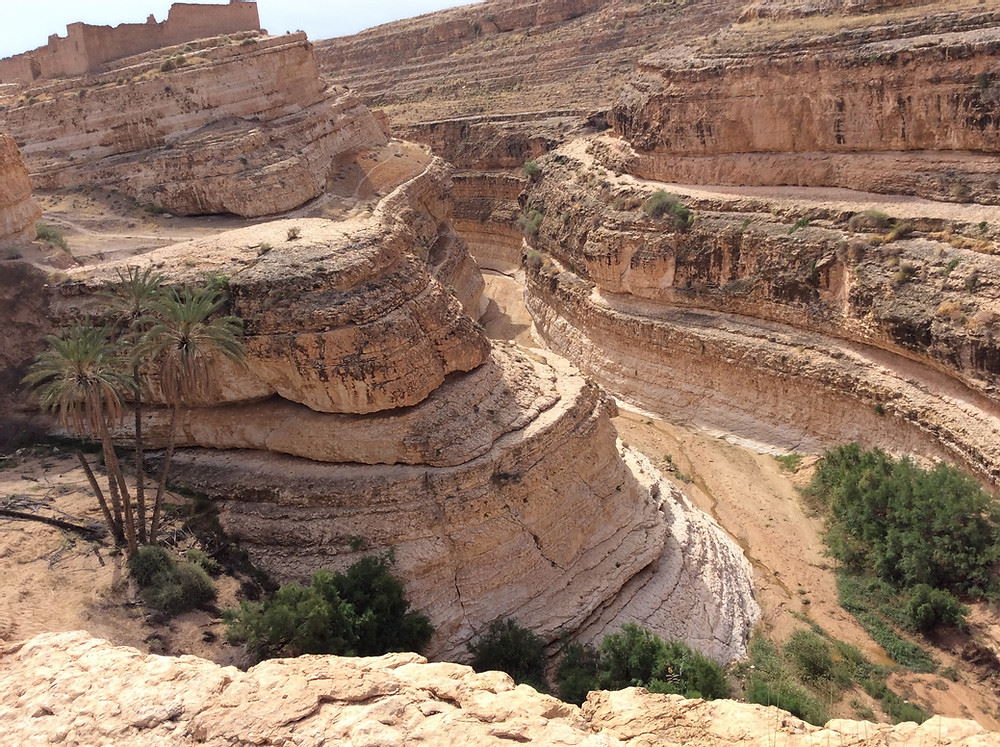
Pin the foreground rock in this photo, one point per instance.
(18, 212)
(49, 692)
(195, 132)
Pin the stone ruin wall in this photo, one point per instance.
(85, 47)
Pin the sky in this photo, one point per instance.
(26, 24)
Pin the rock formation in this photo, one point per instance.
(18, 212)
(518, 58)
(209, 130)
(801, 333)
(49, 692)
(373, 414)
(910, 115)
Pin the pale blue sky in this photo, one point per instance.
(26, 24)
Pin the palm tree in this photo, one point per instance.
(80, 378)
(133, 298)
(181, 345)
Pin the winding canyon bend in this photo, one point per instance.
(440, 249)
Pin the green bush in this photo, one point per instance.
(197, 557)
(810, 655)
(577, 673)
(929, 608)
(51, 234)
(531, 222)
(510, 648)
(147, 562)
(906, 524)
(533, 171)
(636, 657)
(362, 612)
(770, 683)
(167, 585)
(662, 204)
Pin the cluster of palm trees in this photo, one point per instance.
(88, 376)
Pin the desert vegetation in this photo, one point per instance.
(360, 612)
(89, 375)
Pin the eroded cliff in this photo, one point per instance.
(18, 211)
(195, 130)
(373, 414)
(49, 691)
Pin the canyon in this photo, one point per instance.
(479, 257)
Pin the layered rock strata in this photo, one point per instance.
(196, 133)
(348, 317)
(797, 332)
(18, 211)
(372, 414)
(907, 115)
(509, 57)
(49, 692)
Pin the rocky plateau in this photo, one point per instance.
(49, 692)
(196, 129)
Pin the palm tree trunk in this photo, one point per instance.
(116, 480)
(96, 487)
(161, 485)
(140, 475)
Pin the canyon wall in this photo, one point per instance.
(209, 135)
(48, 691)
(512, 57)
(18, 211)
(86, 47)
(373, 414)
(914, 114)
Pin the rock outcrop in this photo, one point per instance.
(512, 57)
(245, 127)
(49, 692)
(373, 414)
(909, 114)
(18, 212)
(800, 332)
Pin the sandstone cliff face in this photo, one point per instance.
(210, 136)
(348, 317)
(512, 57)
(813, 273)
(799, 8)
(18, 212)
(48, 691)
(910, 115)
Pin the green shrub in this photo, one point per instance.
(197, 557)
(510, 648)
(787, 696)
(905, 524)
(167, 65)
(167, 585)
(531, 222)
(533, 171)
(810, 655)
(636, 657)
(929, 608)
(789, 462)
(577, 673)
(361, 612)
(147, 562)
(51, 234)
(662, 204)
